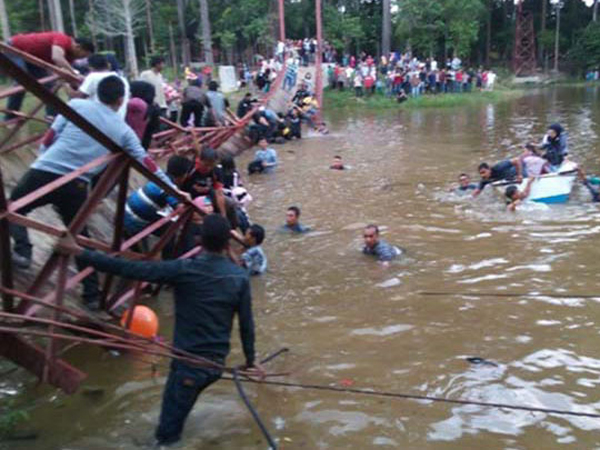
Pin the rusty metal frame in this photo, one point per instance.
(45, 298)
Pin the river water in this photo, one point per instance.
(351, 322)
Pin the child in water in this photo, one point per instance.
(254, 259)
(337, 163)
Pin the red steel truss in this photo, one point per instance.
(35, 322)
(524, 62)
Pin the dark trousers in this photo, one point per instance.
(183, 387)
(187, 109)
(15, 101)
(67, 200)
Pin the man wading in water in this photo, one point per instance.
(209, 291)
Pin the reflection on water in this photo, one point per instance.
(349, 320)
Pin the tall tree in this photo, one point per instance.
(150, 25)
(91, 20)
(4, 21)
(121, 18)
(206, 34)
(386, 28)
(542, 31)
(72, 13)
(185, 42)
(56, 17)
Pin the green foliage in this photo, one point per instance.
(10, 417)
(586, 52)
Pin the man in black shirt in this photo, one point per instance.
(209, 291)
(504, 170)
(245, 105)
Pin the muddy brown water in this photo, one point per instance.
(348, 320)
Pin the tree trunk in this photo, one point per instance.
(56, 17)
(542, 30)
(386, 29)
(595, 11)
(206, 34)
(42, 14)
(488, 32)
(172, 46)
(185, 43)
(93, 23)
(4, 21)
(150, 25)
(72, 13)
(130, 53)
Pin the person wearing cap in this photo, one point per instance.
(214, 113)
(193, 101)
(52, 47)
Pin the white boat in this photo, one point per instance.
(553, 187)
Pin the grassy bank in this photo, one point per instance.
(347, 99)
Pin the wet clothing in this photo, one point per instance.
(209, 291)
(383, 250)
(255, 260)
(504, 170)
(298, 228)
(268, 156)
(467, 188)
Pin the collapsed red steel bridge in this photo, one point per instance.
(36, 326)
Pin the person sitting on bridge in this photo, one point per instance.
(209, 291)
(66, 148)
(51, 47)
(384, 251)
(504, 170)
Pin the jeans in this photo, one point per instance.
(67, 200)
(191, 107)
(15, 101)
(183, 387)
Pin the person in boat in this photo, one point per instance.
(555, 145)
(378, 247)
(209, 291)
(337, 164)
(292, 221)
(508, 169)
(515, 196)
(532, 163)
(464, 184)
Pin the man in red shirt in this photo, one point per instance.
(55, 48)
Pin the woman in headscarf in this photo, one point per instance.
(142, 114)
(555, 144)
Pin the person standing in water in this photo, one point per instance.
(375, 246)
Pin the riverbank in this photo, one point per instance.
(347, 99)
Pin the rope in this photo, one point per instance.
(400, 395)
(504, 294)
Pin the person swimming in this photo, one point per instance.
(375, 246)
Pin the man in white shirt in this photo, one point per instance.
(155, 78)
(99, 71)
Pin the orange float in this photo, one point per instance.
(143, 323)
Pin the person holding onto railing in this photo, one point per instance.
(51, 47)
(209, 291)
(66, 148)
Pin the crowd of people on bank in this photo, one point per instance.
(402, 75)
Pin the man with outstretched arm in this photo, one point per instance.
(504, 170)
(209, 291)
(67, 148)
